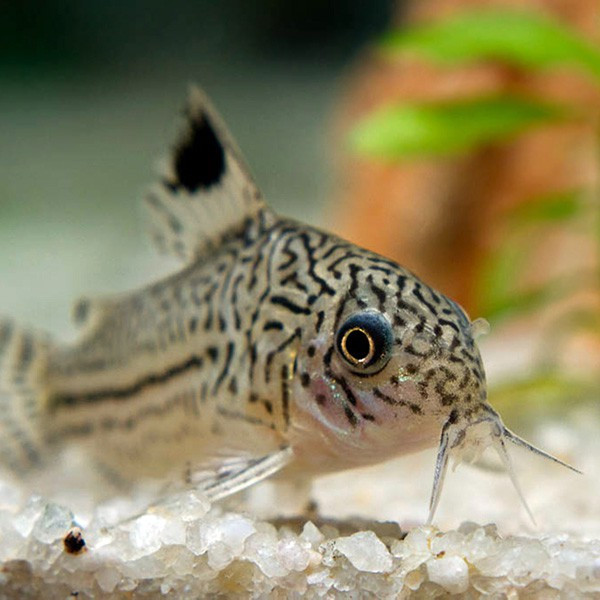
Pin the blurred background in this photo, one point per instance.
(459, 137)
(90, 94)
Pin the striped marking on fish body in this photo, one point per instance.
(215, 344)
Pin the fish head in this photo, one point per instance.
(395, 368)
(392, 362)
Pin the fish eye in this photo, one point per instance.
(364, 341)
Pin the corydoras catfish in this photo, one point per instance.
(276, 347)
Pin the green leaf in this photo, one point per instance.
(498, 305)
(541, 393)
(446, 128)
(519, 302)
(558, 207)
(525, 39)
(499, 291)
(499, 277)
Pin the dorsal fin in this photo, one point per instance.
(206, 192)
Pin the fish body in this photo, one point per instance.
(236, 353)
(276, 347)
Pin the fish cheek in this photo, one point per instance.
(329, 407)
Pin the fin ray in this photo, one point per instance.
(246, 473)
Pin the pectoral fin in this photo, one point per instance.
(244, 473)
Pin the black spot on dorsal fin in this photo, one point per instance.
(199, 160)
(206, 192)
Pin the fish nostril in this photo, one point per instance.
(480, 327)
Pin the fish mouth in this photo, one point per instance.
(467, 440)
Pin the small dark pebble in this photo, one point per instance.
(74, 542)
